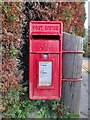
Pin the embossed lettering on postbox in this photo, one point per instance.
(37, 28)
(40, 27)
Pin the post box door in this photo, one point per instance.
(44, 75)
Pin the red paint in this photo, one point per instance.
(45, 38)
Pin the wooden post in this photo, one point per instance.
(72, 68)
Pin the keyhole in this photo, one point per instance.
(45, 56)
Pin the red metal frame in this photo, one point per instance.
(55, 92)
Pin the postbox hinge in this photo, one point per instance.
(72, 79)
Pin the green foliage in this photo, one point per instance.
(16, 106)
(48, 109)
(11, 43)
(71, 115)
(86, 49)
(54, 109)
(19, 106)
(13, 52)
(8, 12)
(67, 13)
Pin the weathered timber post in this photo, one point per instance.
(72, 68)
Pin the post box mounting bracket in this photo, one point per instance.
(72, 79)
(72, 51)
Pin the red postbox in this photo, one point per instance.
(45, 60)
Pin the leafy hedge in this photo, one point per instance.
(12, 22)
(11, 43)
(15, 18)
(19, 106)
(12, 18)
(72, 14)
